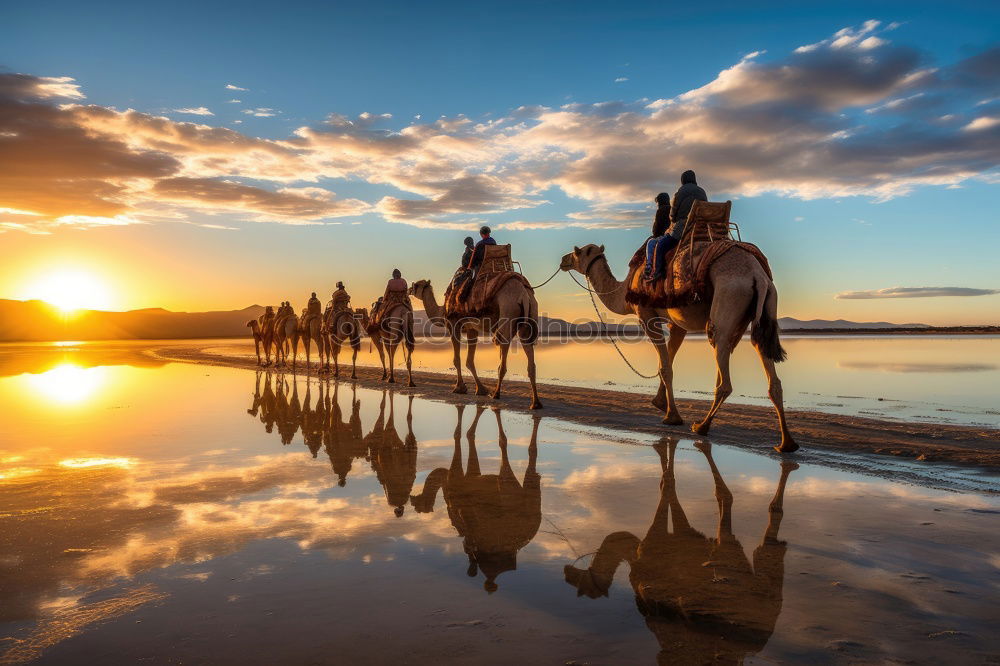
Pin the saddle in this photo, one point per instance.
(706, 238)
(463, 300)
(391, 300)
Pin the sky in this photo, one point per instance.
(199, 156)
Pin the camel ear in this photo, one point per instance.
(602, 249)
(576, 250)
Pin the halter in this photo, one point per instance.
(600, 255)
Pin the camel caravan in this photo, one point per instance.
(693, 274)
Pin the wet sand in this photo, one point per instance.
(746, 426)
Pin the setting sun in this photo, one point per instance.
(70, 290)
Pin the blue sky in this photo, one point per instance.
(924, 218)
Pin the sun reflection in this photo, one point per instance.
(96, 462)
(68, 383)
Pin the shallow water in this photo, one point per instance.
(933, 379)
(182, 513)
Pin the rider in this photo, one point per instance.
(314, 307)
(685, 197)
(395, 292)
(661, 221)
(480, 250)
(340, 299)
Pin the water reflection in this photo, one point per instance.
(700, 596)
(68, 383)
(495, 514)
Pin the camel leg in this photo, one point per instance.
(473, 466)
(529, 353)
(472, 339)
(722, 493)
(456, 359)
(456, 458)
(335, 353)
(776, 509)
(674, 341)
(355, 346)
(774, 392)
(723, 386)
(502, 368)
(377, 341)
(408, 357)
(256, 347)
(392, 360)
(666, 371)
(305, 343)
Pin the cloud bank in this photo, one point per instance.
(915, 292)
(851, 115)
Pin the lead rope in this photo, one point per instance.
(539, 286)
(613, 341)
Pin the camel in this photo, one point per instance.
(514, 311)
(742, 294)
(495, 514)
(701, 597)
(393, 460)
(263, 332)
(345, 325)
(310, 329)
(286, 336)
(395, 328)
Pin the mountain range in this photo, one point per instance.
(39, 321)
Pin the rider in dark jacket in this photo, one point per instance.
(683, 200)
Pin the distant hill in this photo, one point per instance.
(789, 323)
(37, 321)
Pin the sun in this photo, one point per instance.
(70, 290)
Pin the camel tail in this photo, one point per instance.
(764, 331)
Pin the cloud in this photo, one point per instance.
(621, 79)
(195, 111)
(261, 112)
(290, 205)
(234, 101)
(850, 115)
(230, 86)
(915, 292)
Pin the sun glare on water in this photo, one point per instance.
(68, 383)
(71, 290)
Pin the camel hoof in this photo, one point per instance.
(354, 375)
(700, 428)
(787, 446)
(462, 389)
(703, 446)
(481, 390)
(535, 404)
(390, 381)
(495, 395)
(410, 383)
(660, 403)
(673, 419)
(789, 466)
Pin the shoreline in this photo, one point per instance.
(746, 426)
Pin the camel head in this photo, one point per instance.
(420, 288)
(581, 258)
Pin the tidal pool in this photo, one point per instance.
(176, 513)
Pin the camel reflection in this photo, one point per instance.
(701, 597)
(343, 440)
(393, 460)
(495, 514)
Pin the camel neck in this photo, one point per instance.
(609, 290)
(431, 307)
